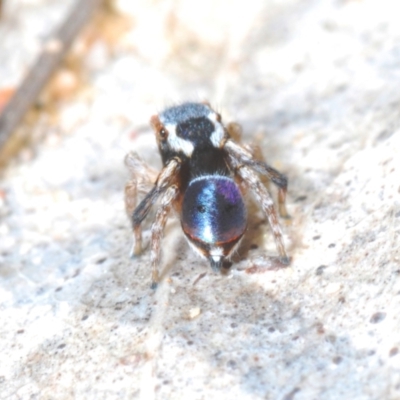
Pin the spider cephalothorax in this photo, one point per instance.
(184, 129)
(202, 169)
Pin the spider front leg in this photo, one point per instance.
(244, 156)
(142, 177)
(157, 231)
(264, 199)
(247, 168)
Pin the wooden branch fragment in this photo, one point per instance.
(54, 49)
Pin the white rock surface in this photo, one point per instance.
(316, 85)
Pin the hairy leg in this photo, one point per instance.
(157, 231)
(254, 183)
(142, 178)
(243, 156)
(264, 199)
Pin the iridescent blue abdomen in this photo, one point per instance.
(213, 212)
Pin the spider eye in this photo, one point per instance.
(163, 133)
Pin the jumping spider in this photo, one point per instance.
(203, 172)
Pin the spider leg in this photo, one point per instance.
(142, 177)
(157, 229)
(244, 156)
(253, 181)
(263, 197)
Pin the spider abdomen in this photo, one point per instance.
(213, 213)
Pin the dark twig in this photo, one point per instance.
(53, 52)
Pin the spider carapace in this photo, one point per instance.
(203, 176)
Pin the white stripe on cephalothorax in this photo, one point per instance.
(219, 133)
(176, 143)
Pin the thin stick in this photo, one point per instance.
(53, 52)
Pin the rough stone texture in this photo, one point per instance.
(315, 85)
